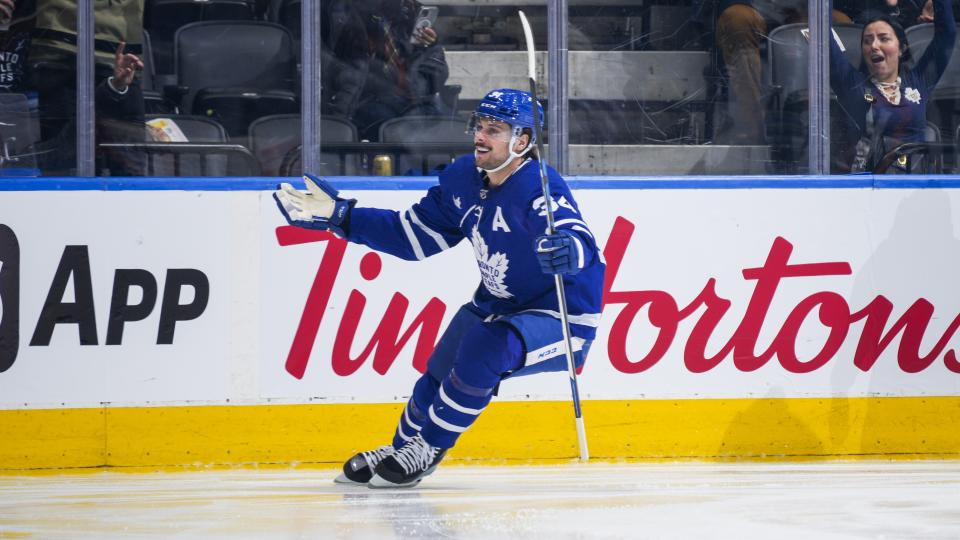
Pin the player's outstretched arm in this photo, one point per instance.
(319, 208)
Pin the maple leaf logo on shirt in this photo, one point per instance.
(913, 95)
(493, 268)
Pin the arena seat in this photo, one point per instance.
(195, 128)
(237, 107)
(287, 14)
(930, 154)
(235, 72)
(918, 39)
(788, 52)
(189, 159)
(150, 84)
(946, 95)
(411, 131)
(272, 139)
(164, 17)
(334, 129)
(787, 112)
(148, 75)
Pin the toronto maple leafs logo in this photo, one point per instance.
(493, 268)
(912, 94)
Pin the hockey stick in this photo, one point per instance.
(551, 229)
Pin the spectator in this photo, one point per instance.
(16, 24)
(740, 27)
(402, 72)
(118, 29)
(120, 114)
(887, 98)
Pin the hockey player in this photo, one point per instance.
(511, 327)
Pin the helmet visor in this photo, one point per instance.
(491, 128)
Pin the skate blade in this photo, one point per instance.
(377, 482)
(342, 479)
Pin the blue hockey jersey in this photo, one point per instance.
(502, 224)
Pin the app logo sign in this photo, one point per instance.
(9, 297)
(74, 272)
(74, 268)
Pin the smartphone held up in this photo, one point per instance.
(425, 19)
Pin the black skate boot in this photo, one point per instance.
(408, 465)
(359, 468)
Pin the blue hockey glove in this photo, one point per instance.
(559, 253)
(319, 208)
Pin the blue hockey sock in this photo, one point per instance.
(415, 412)
(487, 352)
(455, 408)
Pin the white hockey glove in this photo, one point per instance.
(320, 208)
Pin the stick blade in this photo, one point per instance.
(531, 52)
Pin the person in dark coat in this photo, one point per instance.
(382, 69)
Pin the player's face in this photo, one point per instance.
(491, 141)
(881, 51)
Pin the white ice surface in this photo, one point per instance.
(650, 500)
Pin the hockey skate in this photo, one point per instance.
(407, 466)
(359, 468)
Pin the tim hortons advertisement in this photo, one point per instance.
(115, 297)
(709, 293)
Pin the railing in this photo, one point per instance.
(365, 158)
(369, 152)
(188, 159)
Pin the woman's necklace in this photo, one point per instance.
(890, 90)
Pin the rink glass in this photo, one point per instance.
(630, 87)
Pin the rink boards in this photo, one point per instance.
(152, 322)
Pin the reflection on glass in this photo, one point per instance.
(385, 81)
(386, 62)
(215, 91)
(37, 76)
(646, 96)
(655, 87)
(39, 68)
(714, 86)
(896, 88)
(690, 88)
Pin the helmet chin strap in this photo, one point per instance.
(513, 155)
